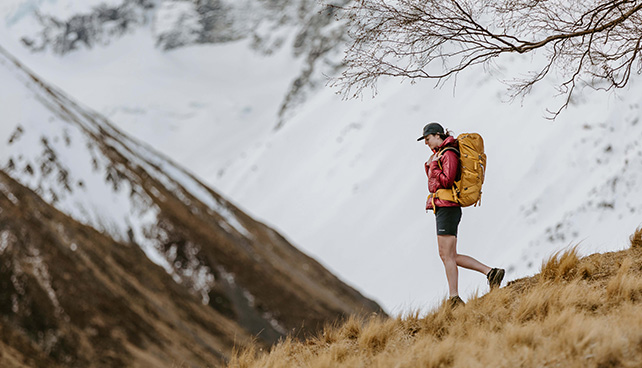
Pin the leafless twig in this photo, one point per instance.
(592, 42)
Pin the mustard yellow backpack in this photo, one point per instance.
(472, 168)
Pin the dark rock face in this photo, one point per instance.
(189, 277)
(98, 27)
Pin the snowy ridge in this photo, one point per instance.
(79, 163)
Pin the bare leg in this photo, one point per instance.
(472, 264)
(450, 258)
(448, 253)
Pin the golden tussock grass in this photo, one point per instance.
(577, 312)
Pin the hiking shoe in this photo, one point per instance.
(495, 277)
(455, 302)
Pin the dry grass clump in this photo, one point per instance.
(561, 266)
(578, 312)
(636, 239)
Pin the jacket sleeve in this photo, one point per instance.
(444, 177)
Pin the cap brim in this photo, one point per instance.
(421, 138)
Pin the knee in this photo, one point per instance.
(446, 255)
(447, 249)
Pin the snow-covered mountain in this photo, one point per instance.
(344, 179)
(250, 277)
(308, 30)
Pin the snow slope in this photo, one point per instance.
(344, 179)
(353, 174)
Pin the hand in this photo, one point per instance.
(434, 157)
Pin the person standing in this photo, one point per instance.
(442, 169)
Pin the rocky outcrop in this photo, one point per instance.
(98, 27)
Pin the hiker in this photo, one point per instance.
(442, 169)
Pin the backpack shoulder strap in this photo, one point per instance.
(458, 176)
(449, 149)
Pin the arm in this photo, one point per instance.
(444, 177)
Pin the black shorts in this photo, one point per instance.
(447, 219)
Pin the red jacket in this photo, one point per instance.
(444, 177)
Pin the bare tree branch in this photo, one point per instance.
(587, 42)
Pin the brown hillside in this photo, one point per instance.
(73, 297)
(575, 313)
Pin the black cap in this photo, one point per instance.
(431, 128)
